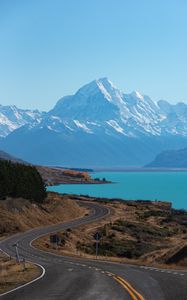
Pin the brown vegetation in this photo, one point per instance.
(54, 176)
(19, 214)
(13, 274)
(136, 231)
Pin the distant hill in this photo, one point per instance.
(170, 159)
(55, 175)
(6, 156)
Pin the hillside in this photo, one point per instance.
(19, 214)
(141, 232)
(100, 126)
(170, 159)
(146, 232)
(5, 156)
(20, 180)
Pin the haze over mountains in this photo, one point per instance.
(97, 126)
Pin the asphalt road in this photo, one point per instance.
(82, 279)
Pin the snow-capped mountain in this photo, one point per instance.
(12, 118)
(101, 106)
(100, 125)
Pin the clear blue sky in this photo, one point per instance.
(50, 48)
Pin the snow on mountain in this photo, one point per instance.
(175, 121)
(98, 125)
(12, 118)
(100, 107)
(99, 104)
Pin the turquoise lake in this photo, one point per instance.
(168, 186)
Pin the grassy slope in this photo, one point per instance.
(19, 214)
(147, 232)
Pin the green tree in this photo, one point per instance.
(19, 180)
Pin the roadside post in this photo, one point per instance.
(17, 253)
(97, 237)
(24, 264)
(54, 239)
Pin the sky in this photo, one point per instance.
(50, 48)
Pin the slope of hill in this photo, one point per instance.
(19, 214)
(5, 156)
(170, 159)
(143, 232)
(101, 126)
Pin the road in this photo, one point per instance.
(83, 279)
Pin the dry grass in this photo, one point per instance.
(17, 215)
(20, 215)
(137, 214)
(13, 274)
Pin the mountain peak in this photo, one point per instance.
(137, 95)
(101, 85)
(105, 81)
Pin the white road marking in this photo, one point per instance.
(162, 270)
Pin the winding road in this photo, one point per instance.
(69, 278)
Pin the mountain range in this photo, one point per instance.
(97, 126)
(12, 118)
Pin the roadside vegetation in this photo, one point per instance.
(136, 232)
(13, 274)
(18, 214)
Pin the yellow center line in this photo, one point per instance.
(128, 290)
(133, 289)
(132, 292)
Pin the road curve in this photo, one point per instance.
(82, 279)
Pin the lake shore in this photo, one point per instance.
(141, 170)
(56, 176)
(166, 186)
